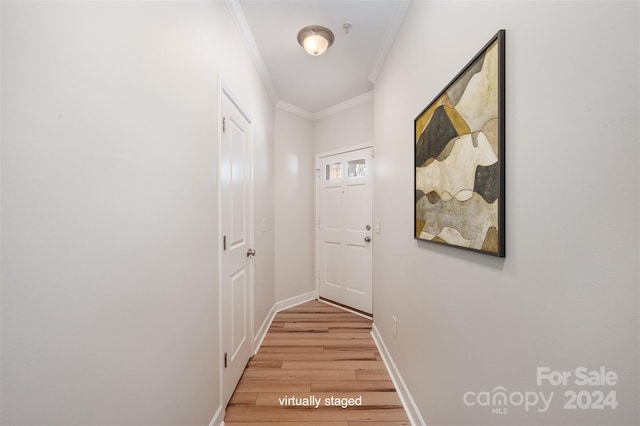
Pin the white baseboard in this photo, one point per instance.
(295, 300)
(277, 307)
(415, 417)
(217, 419)
(257, 340)
(345, 308)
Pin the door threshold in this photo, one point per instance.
(346, 308)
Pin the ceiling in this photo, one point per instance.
(345, 71)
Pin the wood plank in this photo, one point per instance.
(347, 348)
(372, 374)
(316, 356)
(365, 329)
(325, 342)
(271, 386)
(265, 363)
(332, 365)
(298, 375)
(293, 422)
(319, 336)
(305, 326)
(352, 324)
(285, 349)
(243, 398)
(346, 385)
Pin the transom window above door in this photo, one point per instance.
(334, 171)
(355, 169)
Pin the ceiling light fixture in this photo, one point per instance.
(315, 39)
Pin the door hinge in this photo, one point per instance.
(225, 360)
(318, 223)
(224, 243)
(224, 124)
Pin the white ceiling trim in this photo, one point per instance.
(247, 35)
(348, 104)
(389, 38)
(285, 106)
(314, 116)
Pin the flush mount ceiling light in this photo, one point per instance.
(315, 39)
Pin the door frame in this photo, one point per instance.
(224, 90)
(318, 174)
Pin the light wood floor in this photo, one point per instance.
(318, 350)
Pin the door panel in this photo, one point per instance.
(239, 326)
(345, 204)
(355, 201)
(238, 134)
(333, 252)
(333, 214)
(356, 277)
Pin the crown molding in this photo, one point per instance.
(285, 106)
(250, 42)
(314, 116)
(390, 36)
(348, 104)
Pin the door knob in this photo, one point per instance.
(367, 239)
(251, 252)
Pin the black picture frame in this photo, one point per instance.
(459, 188)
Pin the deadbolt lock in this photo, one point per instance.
(368, 227)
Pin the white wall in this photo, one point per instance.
(297, 141)
(109, 216)
(346, 127)
(566, 295)
(294, 205)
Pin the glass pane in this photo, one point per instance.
(334, 171)
(357, 168)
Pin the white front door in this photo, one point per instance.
(236, 232)
(344, 229)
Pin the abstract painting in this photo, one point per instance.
(459, 158)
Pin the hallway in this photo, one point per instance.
(115, 230)
(319, 355)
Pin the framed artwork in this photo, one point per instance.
(459, 158)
